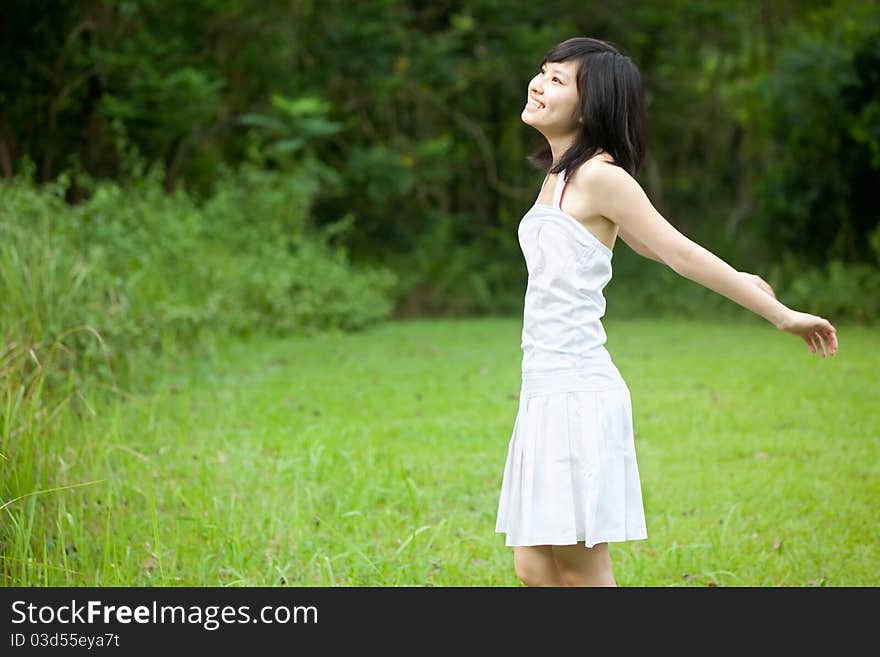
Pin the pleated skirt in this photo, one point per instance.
(571, 472)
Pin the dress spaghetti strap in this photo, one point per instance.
(559, 190)
(564, 187)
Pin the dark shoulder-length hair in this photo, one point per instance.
(611, 107)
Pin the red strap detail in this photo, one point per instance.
(562, 195)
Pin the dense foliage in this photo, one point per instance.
(763, 120)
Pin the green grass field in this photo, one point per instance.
(375, 459)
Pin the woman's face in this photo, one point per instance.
(554, 88)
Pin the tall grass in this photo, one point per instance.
(90, 294)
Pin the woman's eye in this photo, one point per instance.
(555, 79)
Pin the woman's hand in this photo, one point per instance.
(817, 332)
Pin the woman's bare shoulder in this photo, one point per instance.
(595, 163)
(588, 176)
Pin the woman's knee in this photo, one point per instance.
(576, 578)
(581, 566)
(531, 576)
(536, 569)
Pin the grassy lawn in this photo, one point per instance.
(376, 460)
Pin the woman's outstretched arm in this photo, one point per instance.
(645, 252)
(621, 199)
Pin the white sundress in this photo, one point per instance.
(571, 473)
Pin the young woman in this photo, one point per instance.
(571, 482)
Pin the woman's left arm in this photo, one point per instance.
(620, 198)
(645, 252)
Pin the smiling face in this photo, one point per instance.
(552, 103)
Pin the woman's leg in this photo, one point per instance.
(583, 566)
(535, 566)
